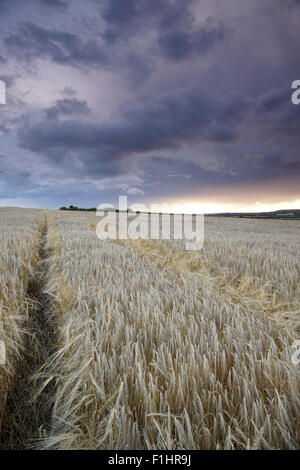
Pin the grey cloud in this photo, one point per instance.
(279, 163)
(274, 99)
(179, 45)
(3, 129)
(9, 80)
(163, 123)
(4, 4)
(137, 67)
(54, 3)
(276, 114)
(68, 107)
(11, 180)
(289, 3)
(33, 41)
(68, 92)
(120, 12)
(236, 102)
(126, 19)
(174, 32)
(178, 37)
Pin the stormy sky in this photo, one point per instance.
(182, 102)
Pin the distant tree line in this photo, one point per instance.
(75, 208)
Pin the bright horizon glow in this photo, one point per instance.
(214, 208)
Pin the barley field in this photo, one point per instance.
(140, 344)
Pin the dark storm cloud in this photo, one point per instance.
(54, 3)
(68, 107)
(263, 167)
(178, 37)
(274, 99)
(33, 42)
(168, 122)
(179, 45)
(119, 13)
(208, 85)
(163, 123)
(276, 114)
(126, 19)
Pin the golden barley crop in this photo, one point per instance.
(19, 246)
(155, 347)
(159, 348)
